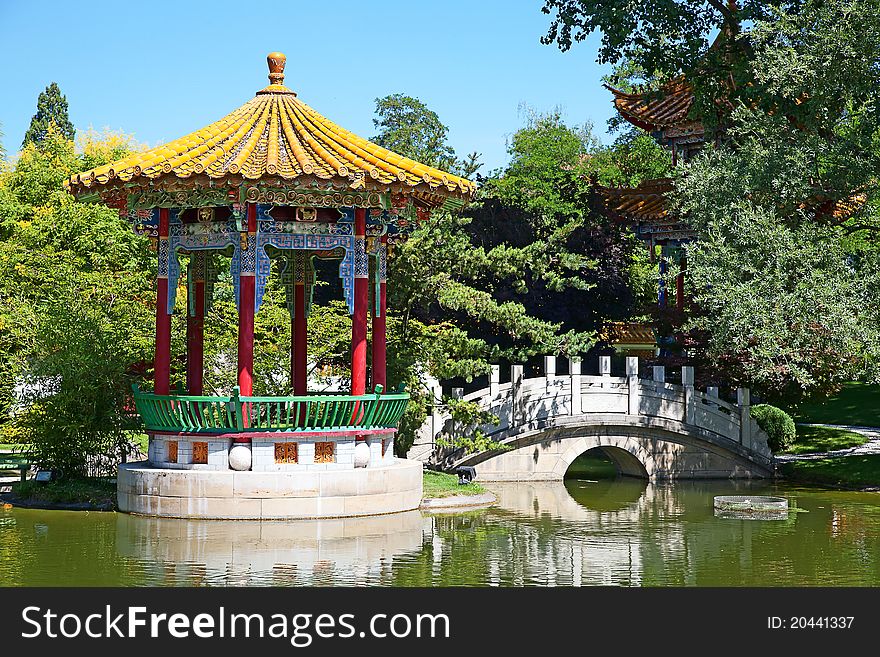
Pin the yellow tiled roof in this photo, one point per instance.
(275, 135)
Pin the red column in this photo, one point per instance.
(162, 361)
(379, 326)
(679, 284)
(361, 296)
(300, 339)
(195, 330)
(246, 291)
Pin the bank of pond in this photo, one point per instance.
(853, 472)
(99, 493)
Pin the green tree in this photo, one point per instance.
(527, 269)
(785, 273)
(408, 127)
(668, 36)
(75, 312)
(445, 315)
(557, 256)
(783, 197)
(708, 42)
(51, 109)
(790, 310)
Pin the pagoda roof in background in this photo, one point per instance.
(644, 203)
(631, 338)
(628, 333)
(645, 208)
(277, 139)
(656, 110)
(843, 209)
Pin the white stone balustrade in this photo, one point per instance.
(533, 402)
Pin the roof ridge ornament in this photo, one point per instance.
(276, 62)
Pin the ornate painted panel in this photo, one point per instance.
(324, 452)
(304, 235)
(249, 254)
(286, 453)
(203, 235)
(200, 452)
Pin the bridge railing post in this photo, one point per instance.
(549, 371)
(494, 382)
(516, 395)
(455, 428)
(605, 368)
(632, 381)
(687, 381)
(743, 400)
(574, 373)
(436, 391)
(712, 392)
(659, 374)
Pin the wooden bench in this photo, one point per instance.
(18, 462)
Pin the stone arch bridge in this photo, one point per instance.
(649, 427)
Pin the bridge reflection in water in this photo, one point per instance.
(624, 532)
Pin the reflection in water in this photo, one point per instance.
(245, 553)
(622, 532)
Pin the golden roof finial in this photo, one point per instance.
(276, 61)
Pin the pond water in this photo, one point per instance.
(615, 532)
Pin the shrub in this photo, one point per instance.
(74, 415)
(777, 424)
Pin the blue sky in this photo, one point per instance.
(159, 69)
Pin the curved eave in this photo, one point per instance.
(655, 111)
(645, 203)
(432, 196)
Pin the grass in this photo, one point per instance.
(814, 439)
(98, 492)
(850, 471)
(856, 403)
(142, 440)
(440, 484)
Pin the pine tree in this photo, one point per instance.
(51, 108)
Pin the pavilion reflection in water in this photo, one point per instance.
(241, 553)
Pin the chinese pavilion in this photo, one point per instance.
(272, 185)
(665, 115)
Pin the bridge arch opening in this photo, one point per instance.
(606, 462)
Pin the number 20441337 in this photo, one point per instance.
(810, 622)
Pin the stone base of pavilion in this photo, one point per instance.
(390, 487)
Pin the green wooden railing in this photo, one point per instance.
(237, 413)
